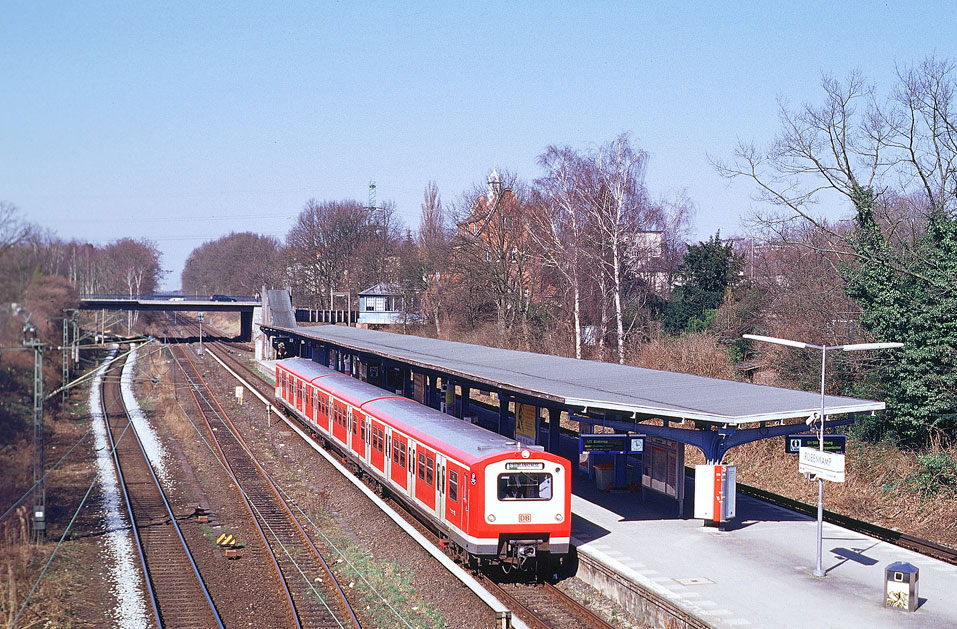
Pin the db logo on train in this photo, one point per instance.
(524, 517)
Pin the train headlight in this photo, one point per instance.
(525, 454)
(491, 517)
(559, 517)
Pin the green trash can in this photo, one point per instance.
(900, 586)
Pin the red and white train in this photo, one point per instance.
(494, 501)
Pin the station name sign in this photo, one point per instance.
(825, 465)
(832, 443)
(612, 444)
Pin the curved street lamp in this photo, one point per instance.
(819, 570)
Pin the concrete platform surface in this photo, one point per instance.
(757, 572)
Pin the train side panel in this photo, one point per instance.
(509, 505)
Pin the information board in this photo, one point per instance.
(832, 443)
(612, 443)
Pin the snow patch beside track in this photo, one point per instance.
(148, 437)
(122, 563)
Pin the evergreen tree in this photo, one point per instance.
(910, 296)
(709, 269)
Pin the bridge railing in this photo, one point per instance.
(166, 297)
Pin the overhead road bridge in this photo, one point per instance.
(245, 306)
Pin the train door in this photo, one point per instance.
(338, 420)
(320, 411)
(359, 433)
(377, 446)
(398, 463)
(455, 487)
(440, 485)
(425, 476)
(310, 402)
(369, 439)
(411, 463)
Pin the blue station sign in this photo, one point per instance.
(835, 444)
(612, 444)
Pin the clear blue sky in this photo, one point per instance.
(229, 117)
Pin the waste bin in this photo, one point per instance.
(900, 586)
(604, 476)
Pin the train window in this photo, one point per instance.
(395, 451)
(524, 486)
(363, 430)
(453, 486)
(429, 471)
(402, 455)
(421, 466)
(355, 429)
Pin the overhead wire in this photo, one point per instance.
(68, 528)
(291, 501)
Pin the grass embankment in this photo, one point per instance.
(913, 492)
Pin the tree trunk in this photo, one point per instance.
(578, 318)
(620, 330)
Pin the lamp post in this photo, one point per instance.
(819, 570)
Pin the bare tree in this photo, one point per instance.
(905, 146)
(342, 246)
(559, 228)
(494, 255)
(13, 229)
(618, 208)
(923, 131)
(238, 263)
(320, 243)
(433, 241)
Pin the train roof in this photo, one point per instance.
(471, 443)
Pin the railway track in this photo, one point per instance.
(314, 595)
(543, 606)
(539, 605)
(904, 540)
(910, 542)
(178, 595)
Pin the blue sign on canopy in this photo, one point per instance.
(836, 444)
(612, 444)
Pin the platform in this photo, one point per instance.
(757, 573)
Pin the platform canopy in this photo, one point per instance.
(586, 384)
